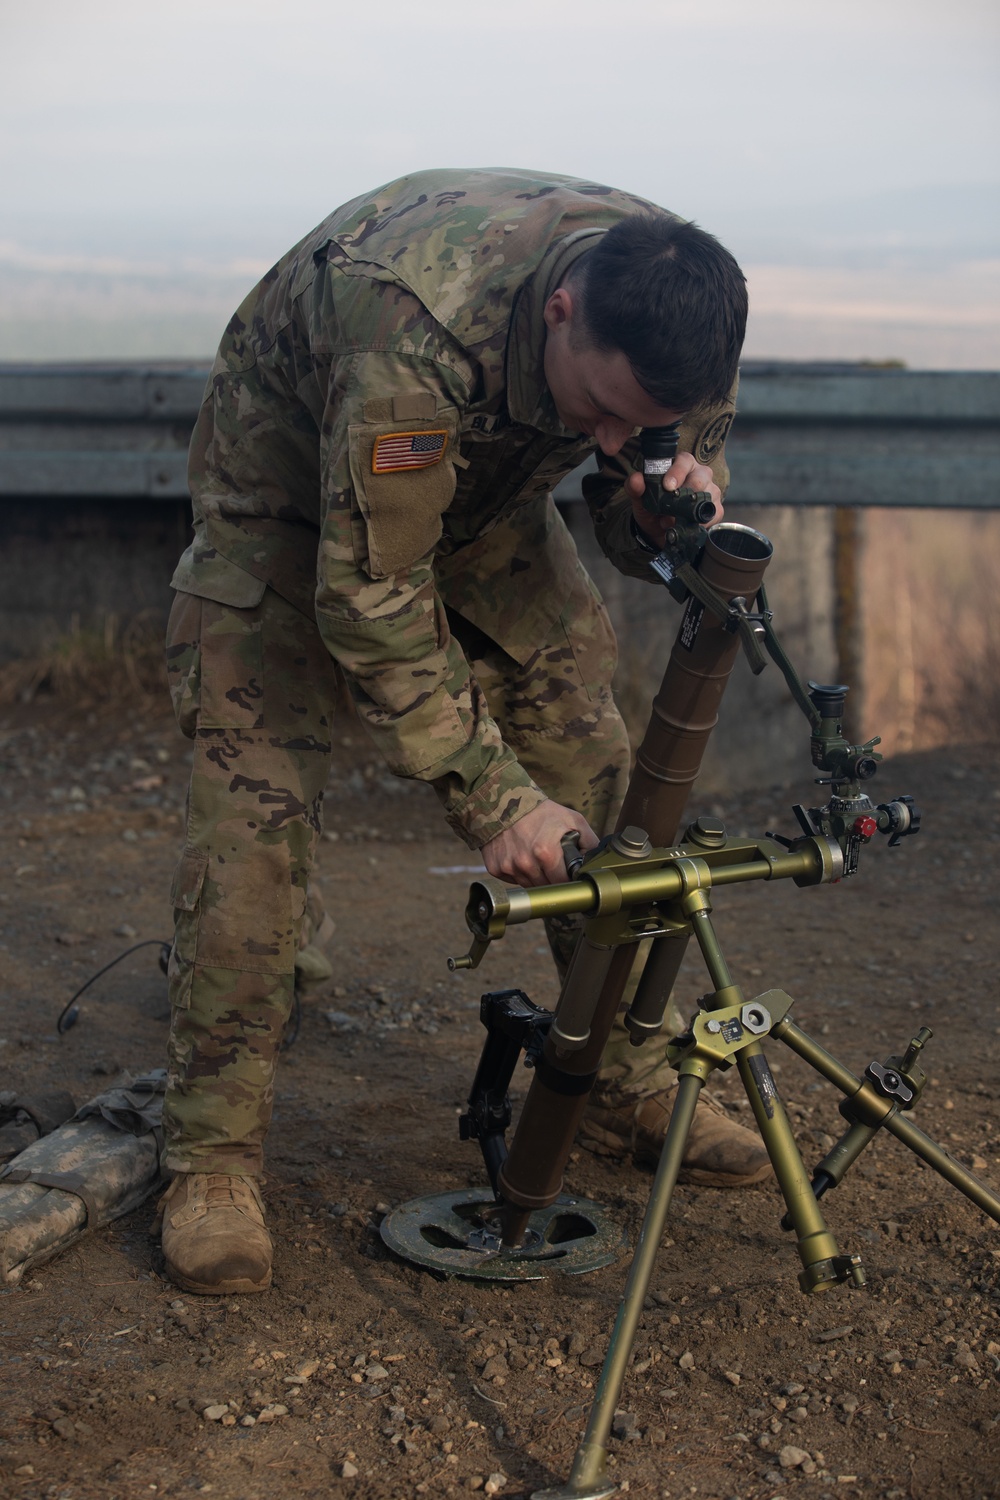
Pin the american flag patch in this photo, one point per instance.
(407, 450)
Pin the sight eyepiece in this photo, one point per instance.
(658, 446)
(828, 699)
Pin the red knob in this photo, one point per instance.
(865, 826)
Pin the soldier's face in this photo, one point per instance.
(594, 391)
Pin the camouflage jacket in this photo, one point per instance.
(377, 437)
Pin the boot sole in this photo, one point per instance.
(227, 1288)
(698, 1177)
(693, 1176)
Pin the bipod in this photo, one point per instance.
(721, 1035)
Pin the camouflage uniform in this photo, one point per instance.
(408, 322)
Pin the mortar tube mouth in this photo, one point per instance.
(734, 540)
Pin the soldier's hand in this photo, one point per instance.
(685, 470)
(529, 851)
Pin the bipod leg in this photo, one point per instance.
(822, 1263)
(588, 1478)
(888, 1118)
(945, 1165)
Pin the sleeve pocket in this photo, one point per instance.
(402, 506)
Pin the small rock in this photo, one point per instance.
(26, 1470)
(438, 1425)
(797, 1414)
(656, 1435)
(793, 1458)
(849, 1404)
(215, 1413)
(63, 1428)
(891, 1357)
(793, 1388)
(495, 1484)
(348, 1470)
(495, 1367)
(339, 1020)
(248, 1421)
(376, 1371)
(686, 1361)
(125, 930)
(130, 836)
(625, 1427)
(592, 1356)
(829, 1334)
(731, 1376)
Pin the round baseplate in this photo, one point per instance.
(454, 1233)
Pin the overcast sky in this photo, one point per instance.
(149, 148)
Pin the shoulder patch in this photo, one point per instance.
(394, 451)
(710, 441)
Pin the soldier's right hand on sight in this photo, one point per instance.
(529, 852)
(685, 470)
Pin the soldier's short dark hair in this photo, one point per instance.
(673, 300)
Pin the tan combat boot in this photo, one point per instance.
(213, 1232)
(719, 1152)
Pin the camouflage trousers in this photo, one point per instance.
(255, 691)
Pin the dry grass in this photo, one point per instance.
(110, 663)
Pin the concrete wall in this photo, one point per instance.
(68, 564)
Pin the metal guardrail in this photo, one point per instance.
(807, 434)
(97, 431)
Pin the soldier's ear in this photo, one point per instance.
(559, 309)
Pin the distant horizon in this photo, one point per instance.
(157, 160)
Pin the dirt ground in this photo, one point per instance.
(414, 1385)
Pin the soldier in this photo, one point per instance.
(371, 473)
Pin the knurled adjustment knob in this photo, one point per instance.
(632, 842)
(707, 831)
(865, 826)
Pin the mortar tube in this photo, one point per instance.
(684, 713)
